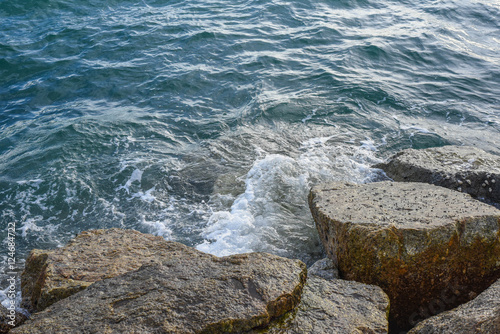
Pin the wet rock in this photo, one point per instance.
(324, 268)
(51, 275)
(10, 320)
(429, 248)
(481, 315)
(335, 306)
(466, 169)
(188, 292)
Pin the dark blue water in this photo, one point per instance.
(207, 122)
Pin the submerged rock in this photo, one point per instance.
(51, 275)
(466, 169)
(481, 315)
(335, 306)
(429, 248)
(183, 291)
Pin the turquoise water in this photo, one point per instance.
(206, 122)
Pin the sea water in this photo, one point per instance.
(207, 121)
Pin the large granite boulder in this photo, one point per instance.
(481, 315)
(418, 242)
(51, 275)
(335, 306)
(463, 168)
(187, 292)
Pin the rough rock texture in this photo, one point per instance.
(51, 275)
(418, 242)
(467, 169)
(481, 315)
(188, 292)
(5, 320)
(335, 306)
(324, 268)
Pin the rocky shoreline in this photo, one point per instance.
(422, 245)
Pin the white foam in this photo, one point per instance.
(30, 226)
(159, 227)
(253, 212)
(135, 177)
(35, 181)
(275, 198)
(146, 196)
(369, 144)
(310, 116)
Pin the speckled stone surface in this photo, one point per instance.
(462, 168)
(324, 268)
(51, 275)
(7, 319)
(414, 240)
(480, 315)
(335, 306)
(188, 292)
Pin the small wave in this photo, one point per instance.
(274, 201)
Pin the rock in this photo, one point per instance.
(51, 275)
(187, 292)
(9, 321)
(324, 268)
(335, 306)
(466, 169)
(420, 243)
(480, 315)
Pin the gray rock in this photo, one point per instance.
(51, 275)
(416, 241)
(335, 306)
(466, 169)
(324, 268)
(481, 315)
(188, 292)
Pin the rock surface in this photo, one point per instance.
(335, 306)
(186, 292)
(467, 169)
(6, 320)
(481, 315)
(324, 268)
(418, 242)
(51, 275)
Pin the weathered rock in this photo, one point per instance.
(335, 306)
(463, 168)
(324, 268)
(481, 315)
(188, 292)
(51, 275)
(418, 242)
(9, 320)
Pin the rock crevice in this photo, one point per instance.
(413, 255)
